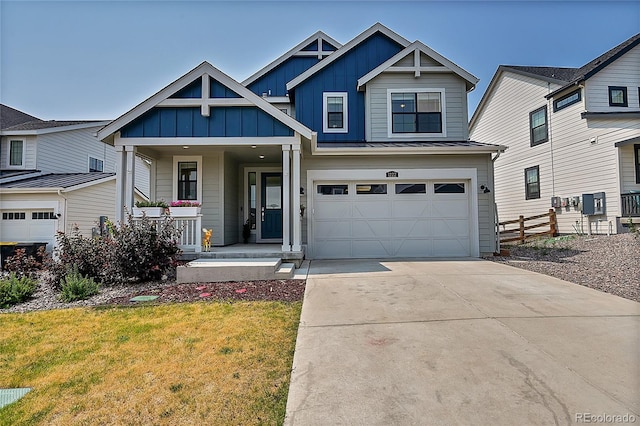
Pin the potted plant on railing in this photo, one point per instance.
(184, 208)
(149, 208)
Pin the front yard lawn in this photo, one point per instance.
(196, 363)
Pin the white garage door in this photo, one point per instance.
(28, 226)
(359, 219)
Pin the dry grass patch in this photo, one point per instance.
(199, 363)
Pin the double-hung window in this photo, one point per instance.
(96, 165)
(532, 182)
(618, 96)
(416, 112)
(187, 172)
(16, 153)
(335, 113)
(538, 126)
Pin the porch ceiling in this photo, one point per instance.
(244, 154)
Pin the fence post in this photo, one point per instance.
(553, 224)
(521, 222)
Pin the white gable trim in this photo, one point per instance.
(297, 51)
(378, 27)
(202, 70)
(416, 48)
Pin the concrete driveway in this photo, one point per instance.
(460, 342)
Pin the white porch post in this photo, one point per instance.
(286, 197)
(296, 243)
(130, 153)
(120, 182)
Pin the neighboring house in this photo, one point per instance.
(54, 175)
(348, 151)
(570, 132)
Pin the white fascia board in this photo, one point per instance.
(222, 141)
(222, 78)
(54, 129)
(406, 150)
(420, 47)
(296, 49)
(378, 27)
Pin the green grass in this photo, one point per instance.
(200, 363)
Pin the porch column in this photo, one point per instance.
(130, 152)
(296, 242)
(286, 197)
(120, 182)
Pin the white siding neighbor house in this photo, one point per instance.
(55, 175)
(573, 137)
(358, 150)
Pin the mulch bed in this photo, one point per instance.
(269, 290)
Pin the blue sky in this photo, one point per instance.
(97, 59)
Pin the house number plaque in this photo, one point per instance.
(392, 174)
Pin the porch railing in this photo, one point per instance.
(191, 236)
(630, 204)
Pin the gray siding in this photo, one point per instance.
(480, 162)
(86, 205)
(455, 102)
(623, 72)
(231, 206)
(68, 152)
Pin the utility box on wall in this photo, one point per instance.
(593, 204)
(555, 202)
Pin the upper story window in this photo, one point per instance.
(96, 165)
(16, 153)
(416, 112)
(532, 183)
(538, 126)
(618, 96)
(565, 101)
(334, 112)
(187, 183)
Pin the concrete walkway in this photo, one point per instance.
(460, 342)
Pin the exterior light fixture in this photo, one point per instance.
(253, 146)
(185, 147)
(262, 157)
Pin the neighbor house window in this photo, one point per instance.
(334, 112)
(96, 165)
(636, 149)
(618, 96)
(538, 126)
(16, 153)
(415, 112)
(187, 178)
(532, 182)
(567, 100)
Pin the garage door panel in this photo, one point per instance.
(450, 227)
(410, 208)
(371, 209)
(330, 209)
(333, 249)
(413, 248)
(451, 247)
(372, 248)
(450, 208)
(371, 228)
(333, 228)
(411, 228)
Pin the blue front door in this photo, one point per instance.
(271, 206)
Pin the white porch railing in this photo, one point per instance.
(191, 236)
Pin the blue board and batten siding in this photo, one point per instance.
(194, 90)
(342, 76)
(189, 122)
(276, 80)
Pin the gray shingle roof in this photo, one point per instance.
(556, 73)
(40, 124)
(57, 180)
(11, 117)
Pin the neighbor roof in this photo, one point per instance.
(57, 180)
(41, 124)
(12, 117)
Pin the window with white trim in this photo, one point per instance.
(416, 112)
(187, 178)
(335, 116)
(16, 153)
(96, 165)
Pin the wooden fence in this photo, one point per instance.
(520, 233)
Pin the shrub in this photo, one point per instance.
(159, 203)
(26, 265)
(74, 286)
(15, 289)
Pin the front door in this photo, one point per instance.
(271, 206)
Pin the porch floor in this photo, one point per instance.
(248, 251)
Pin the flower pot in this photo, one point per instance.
(149, 211)
(184, 211)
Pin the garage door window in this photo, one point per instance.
(411, 188)
(43, 215)
(448, 188)
(333, 189)
(371, 188)
(14, 216)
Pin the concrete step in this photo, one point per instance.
(213, 270)
(285, 271)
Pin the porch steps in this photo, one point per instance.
(234, 269)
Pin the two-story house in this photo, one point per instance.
(54, 175)
(343, 151)
(574, 140)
